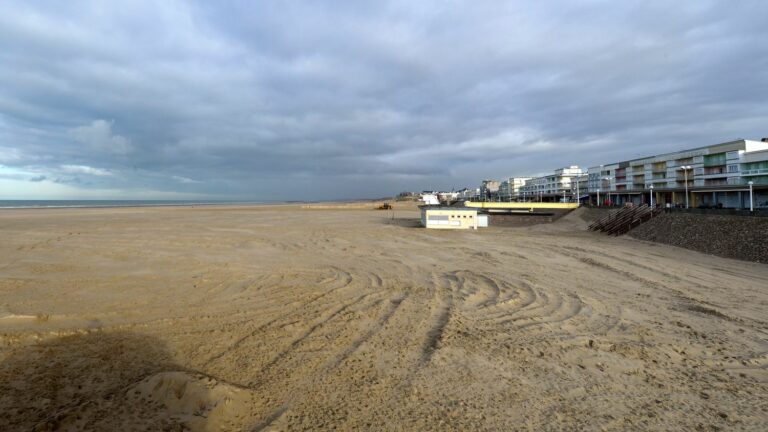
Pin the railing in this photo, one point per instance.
(621, 221)
(679, 163)
(715, 182)
(714, 162)
(755, 171)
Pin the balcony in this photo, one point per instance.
(716, 182)
(759, 180)
(713, 171)
(680, 162)
(752, 172)
(714, 160)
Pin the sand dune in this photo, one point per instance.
(282, 318)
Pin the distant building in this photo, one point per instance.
(467, 194)
(718, 175)
(429, 198)
(553, 187)
(448, 197)
(489, 190)
(580, 187)
(509, 189)
(714, 175)
(452, 218)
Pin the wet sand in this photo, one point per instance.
(291, 318)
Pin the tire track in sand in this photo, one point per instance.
(392, 308)
(346, 281)
(296, 342)
(357, 343)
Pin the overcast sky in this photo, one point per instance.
(327, 100)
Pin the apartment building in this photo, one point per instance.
(509, 189)
(715, 175)
(489, 190)
(580, 187)
(554, 187)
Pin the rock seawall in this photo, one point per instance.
(740, 237)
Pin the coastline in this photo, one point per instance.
(85, 204)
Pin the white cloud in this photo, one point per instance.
(98, 135)
(84, 169)
(185, 180)
(399, 95)
(14, 189)
(9, 154)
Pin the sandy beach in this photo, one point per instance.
(291, 318)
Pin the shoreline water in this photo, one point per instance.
(81, 204)
(62, 204)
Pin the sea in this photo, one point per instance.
(19, 204)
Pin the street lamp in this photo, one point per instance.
(685, 169)
(651, 187)
(598, 197)
(578, 195)
(751, 205)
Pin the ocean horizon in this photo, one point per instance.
(24, 204)
(27, 204)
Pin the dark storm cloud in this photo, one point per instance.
(330, 100)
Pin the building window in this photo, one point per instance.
(437, 218)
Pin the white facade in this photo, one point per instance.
(450, 218)
(430, 199)
(468, 194)
(713, 175)
(551, 186)
(447, 196)
(510, 189)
